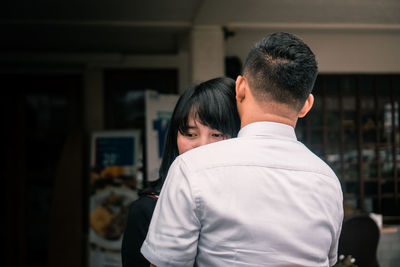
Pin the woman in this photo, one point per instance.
(204, 114)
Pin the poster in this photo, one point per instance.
(115, 160)
(159, 108)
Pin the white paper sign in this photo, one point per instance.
(159, 108)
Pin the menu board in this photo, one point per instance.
(116, 157)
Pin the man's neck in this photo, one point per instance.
(272, 112)
(267, 117)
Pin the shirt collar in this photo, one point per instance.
(266, 128)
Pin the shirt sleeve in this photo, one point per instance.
(174, 228)
(335, 244)
(334, 249)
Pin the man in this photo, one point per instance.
(262, 199)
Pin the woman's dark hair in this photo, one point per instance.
(213, 104)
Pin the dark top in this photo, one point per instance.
(139, 218)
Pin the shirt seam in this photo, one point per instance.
(197, 170)
(196, 200)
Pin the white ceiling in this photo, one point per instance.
(156, 26)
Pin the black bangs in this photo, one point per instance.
(186, 111)
(210, 113)
(214, 105)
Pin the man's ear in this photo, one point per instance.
(240, 88)
(307, 106)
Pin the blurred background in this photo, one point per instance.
(69, 69)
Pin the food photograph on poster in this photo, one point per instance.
(115, 178)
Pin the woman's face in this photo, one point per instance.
(198, 135)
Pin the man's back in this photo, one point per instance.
(262, 199)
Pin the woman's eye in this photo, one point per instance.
(190, 134)
(218, 135)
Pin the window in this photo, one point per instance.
(354, 127)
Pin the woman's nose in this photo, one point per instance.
(202, 141)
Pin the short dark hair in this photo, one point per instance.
(212, 103)
(281, 67)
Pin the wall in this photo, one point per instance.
(338, 51)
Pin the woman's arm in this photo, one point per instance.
(139, 217)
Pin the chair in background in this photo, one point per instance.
(359, 238)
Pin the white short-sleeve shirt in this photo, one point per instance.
(262, 199)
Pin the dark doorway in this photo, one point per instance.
(39, 111)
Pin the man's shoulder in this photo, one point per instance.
(256, 151)
(211, 154)
(217, 147)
